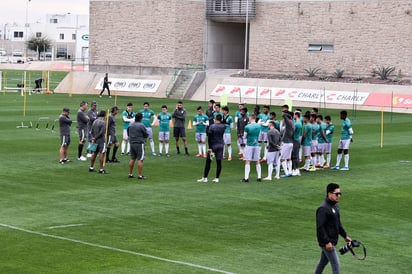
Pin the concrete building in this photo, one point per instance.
(65, 31)
(146, 37)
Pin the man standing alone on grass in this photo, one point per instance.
(216, 145)
(112, 138)
(252, 150)
(64, 122)
(328, 229)
(345, 140)
(137, 135)
(106, 84)
(82, 122)
(99, 138)
(179, 127)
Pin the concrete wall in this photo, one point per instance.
(365, 35)
(225, 45)
(153, 36)
(131, 34)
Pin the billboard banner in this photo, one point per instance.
(296, 94)
(131, 85)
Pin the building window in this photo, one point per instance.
(74, 36)
(61, 36)
(220, 5)
(38, 34)
(18, 34)
(321, 48)
(53, 20)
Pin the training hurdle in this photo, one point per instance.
(24, 126)
(43, 120)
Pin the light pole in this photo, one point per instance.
(26, 28)
(246, 38)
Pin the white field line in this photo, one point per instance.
(64, 226)
(116, 249)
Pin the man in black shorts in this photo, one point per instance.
(82, 122)
(99, 137)
(179, 127)
(137, 136)
(64, 123)
(111, 138)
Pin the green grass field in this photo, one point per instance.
(10, 78)
(62, 219)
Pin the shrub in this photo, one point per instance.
(323, 77)
(383, 72)
(338, 73)
(312, 71)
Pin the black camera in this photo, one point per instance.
(349, 246)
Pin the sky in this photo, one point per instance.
(15, 10)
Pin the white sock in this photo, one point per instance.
(346, 159)
(307, 162)
(259, 171)
(167, 148)
(328, 157)
(247, 171)
(160, 147)
(289, 165)
(270, 170)
(278, 169)
(322, 159)
(199, 148)
(152, 146)
(128, 147)
(285, 167)
(229, 151)
(123, 146)
(265, 152)
(338, 158)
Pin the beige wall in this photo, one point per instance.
(145, 33)
(365, 34)
(129, 35)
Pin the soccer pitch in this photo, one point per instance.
(63, 219)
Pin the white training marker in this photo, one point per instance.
(64, 226)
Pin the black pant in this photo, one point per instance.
(105, 86)
(208, 164)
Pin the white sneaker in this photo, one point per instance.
(215, 180)
(82, 158)
(202, 180)
(267, 179)
(89, 155)
(297, 173)
(277, 177)
(293, 172)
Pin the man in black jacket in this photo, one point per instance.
(328, 228)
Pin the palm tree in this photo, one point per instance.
(39, 44)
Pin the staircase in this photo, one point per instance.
(183, 80)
